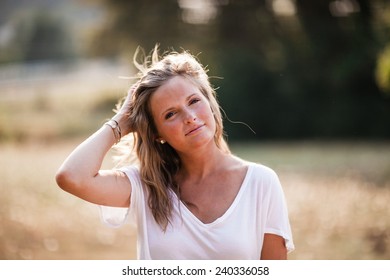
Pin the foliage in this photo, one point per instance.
(34, 36)
(305, 71)
(290, 68)
(383, 70)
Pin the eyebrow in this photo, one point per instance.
(172, 108)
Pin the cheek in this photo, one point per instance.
(168, 130)
(212, 120)
(208, 114)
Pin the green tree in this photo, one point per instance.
(36, 35)
(305, 69)
(137, 23)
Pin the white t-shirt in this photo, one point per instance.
(258, 208)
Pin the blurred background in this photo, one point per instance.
(305, 87)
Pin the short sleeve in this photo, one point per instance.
(277, 214)
(118, 216)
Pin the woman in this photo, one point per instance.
(189, 196)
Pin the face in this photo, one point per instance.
(182, 115)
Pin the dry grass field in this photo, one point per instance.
(40, 221)
(338, 194)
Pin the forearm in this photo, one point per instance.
(84, 163)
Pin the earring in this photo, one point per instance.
(162, 141)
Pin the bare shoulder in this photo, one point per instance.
(238, 165)
(236, 170)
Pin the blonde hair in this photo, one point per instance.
(160, 163)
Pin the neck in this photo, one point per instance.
(201, 163)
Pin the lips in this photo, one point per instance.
(194, 129)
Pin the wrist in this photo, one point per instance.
(116, 129)
(123, 123)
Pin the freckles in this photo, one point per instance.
(169, 129)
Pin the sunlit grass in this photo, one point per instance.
(40, 221)
(338, 196)
(339, 215)
(60, 105)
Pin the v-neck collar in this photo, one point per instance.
(185, 210)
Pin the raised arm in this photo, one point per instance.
(81, 173)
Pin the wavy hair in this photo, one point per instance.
(160, 163)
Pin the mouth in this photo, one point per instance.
(195, 129)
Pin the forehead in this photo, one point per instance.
(174, 90)
(178, 84)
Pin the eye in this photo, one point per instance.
(194, 100)
(169, 115)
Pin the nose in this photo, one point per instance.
(189, 116)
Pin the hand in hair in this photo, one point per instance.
(124, 109)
